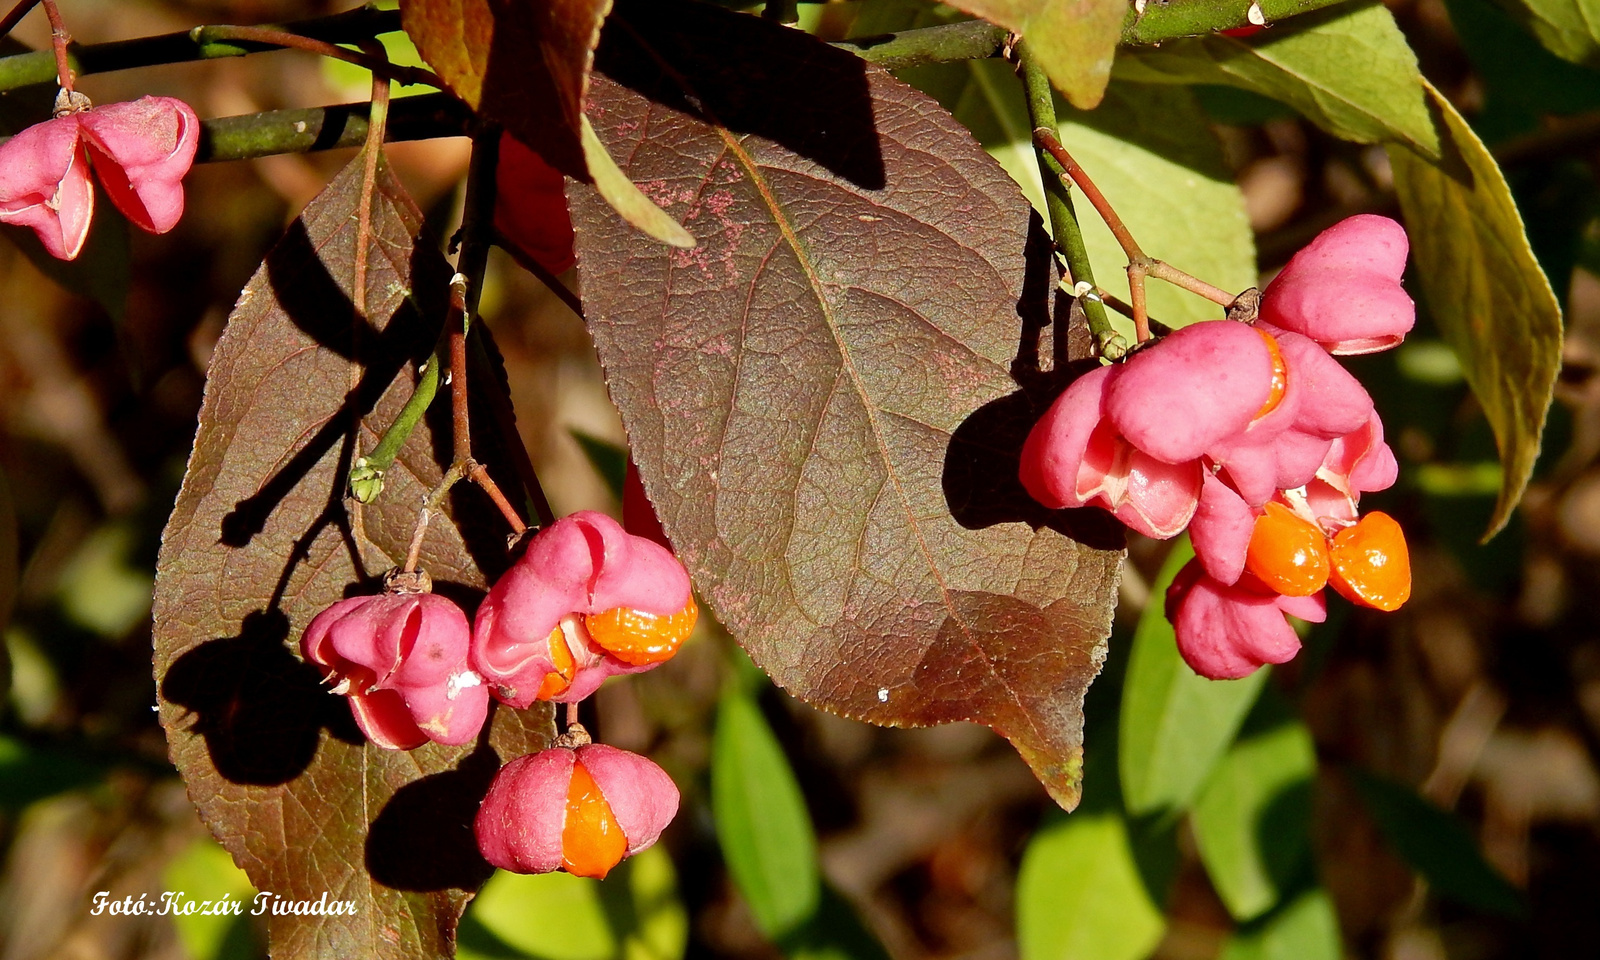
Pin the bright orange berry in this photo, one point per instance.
(1288, 554)
(591, 840)
(1371, 565)
(1280, 376)
(640, 638)
(556, 682)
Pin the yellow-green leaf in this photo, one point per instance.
(1484, 289)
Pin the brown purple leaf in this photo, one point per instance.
(523, 63)
(820, 396)
(260, 540)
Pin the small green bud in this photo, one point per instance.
(366, 481)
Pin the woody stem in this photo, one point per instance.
(203, 36)
(22, 9)
(59, 38)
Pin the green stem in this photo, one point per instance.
(1063, 219)
(327, 128)
(366, 474)
(968, 40)
(1192, 18)
(39, 66)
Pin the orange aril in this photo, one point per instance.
(556, 682)
(1287, 553)
(591, 840)
(1371, 565)
(638, 638)
(1280, 376)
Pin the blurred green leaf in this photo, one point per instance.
(608, 460)
(1304, 929)
(1458, 479)
(1141, 135)
(1251, 822)
(1484, 289)
(102, 588)
(29, 773)
(204, 871)
(834, 932)
(761, 818)
(354, 81)
(1438, 846)
(634, 914)
(1175, 724)
(1348, 69)
(1080, 893)
(1522, 80)
(1570, 29)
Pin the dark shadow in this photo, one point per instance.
(422, 839)
(315, 302)
(750, 76)
(980, 481)
(259, 708)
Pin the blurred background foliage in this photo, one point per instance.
(1415, 786)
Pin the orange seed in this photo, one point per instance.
(1287, 553)
(1280, 376)
(591, 840)
(638, 638)
(556, 682)
(1371, 565)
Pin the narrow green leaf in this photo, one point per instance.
(761, 819)
(1438, 846)
(625, 197)
(1080, 895)
(634, 914)
(205, 871)
(1485, 290)
(1347, 68)
(1570, 29)
(608, 460)
(1175, 724)
(1305, 929)
(835, 932)
(1251, 821)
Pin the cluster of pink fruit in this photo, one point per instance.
(1256, 440)
(141, 151)
(587, 600)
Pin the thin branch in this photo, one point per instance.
(968, 40)
(327, 128)
(22, 9)
(352, 26)
(59, 38)
(1063, 219)
(1156, 21)
(1046, 138)
(271, 37)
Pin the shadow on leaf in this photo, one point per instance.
(422, 839)
(259, 708)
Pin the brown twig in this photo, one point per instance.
(282, 38)
(22, 9)
(59, 38)
(1140, 266)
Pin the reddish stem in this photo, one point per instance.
(281, 38)
(59, 38)
(22, 9)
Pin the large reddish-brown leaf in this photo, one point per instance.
(821, 396)
(260, 540)
(523, 63)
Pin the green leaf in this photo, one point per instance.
(634, 914)
(1080, 895)
(1304, 929)
(608, 460)
(1175, 723)
(1075, 40)
(821, 398)
(29, 773)
(204, 871)
(625, 196)
(1570, 29)
(1438, 846)
(1150, 150)
(761, 819)
(260, 540)
(1485, 290)
(1348, 69)
(1251, 821)
(834, 932)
